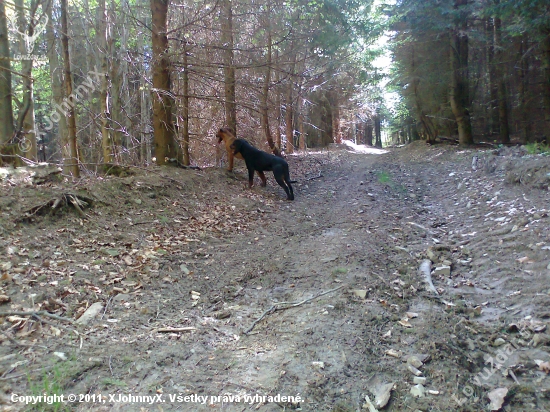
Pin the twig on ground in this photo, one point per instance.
(16, 342)
(37, 313)
(314, 177)
(277, 306)
(168, 330)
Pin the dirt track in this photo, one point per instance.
(363, 226)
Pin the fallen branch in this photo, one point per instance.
(37, 314)
(421, 227)
(169, 330)
(314, 177)
(16, 342)
(425, 270)
(277, 306)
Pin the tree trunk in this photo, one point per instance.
(56, 78)
(70, 162)
(6, 108)
(264, 107)
(185, 107)
(504, 130)
(427, 124)
(301, 128)
(104, 53)
(289, 106)
(144, 103)
(278, 137)
(166, 146)
(523, 87)
(377, 130)
(459, 95)
(368, 133)
(545, 44)
(228, 67)
(335, 115)
(492, 78)
(25, 125)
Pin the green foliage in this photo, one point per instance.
(538, 148)
(52, 383)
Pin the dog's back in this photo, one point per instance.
(261, 161)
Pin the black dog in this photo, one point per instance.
(261, 161)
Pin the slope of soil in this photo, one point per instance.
(195, 250)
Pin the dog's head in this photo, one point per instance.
(237, 145)
(223, 133)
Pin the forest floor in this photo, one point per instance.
(166, 248)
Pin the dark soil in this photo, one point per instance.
(171, 248)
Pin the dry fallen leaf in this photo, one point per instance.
(524, 259)
(496, 396)
(545, 367)
(405, 323)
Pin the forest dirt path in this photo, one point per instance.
(185, 249)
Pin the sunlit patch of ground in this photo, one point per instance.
(361, 148)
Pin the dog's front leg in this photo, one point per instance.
(231, 156)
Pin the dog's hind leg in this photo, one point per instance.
(288, 182)
(280, 180)
(262, 176)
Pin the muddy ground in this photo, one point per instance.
(162, 249)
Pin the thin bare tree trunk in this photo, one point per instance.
(459, 95)
(493, 90)
(71, 163)
(185, 108)
(56, 78)
(104, 53)
(278, 139)
(523, 68)
(264, 107)
(166, 145)
(377, 129)
(504, 130)
(301, 123)
(25, 125)
(545, 45)
(335, 116)
(228, 66)
(6, 108)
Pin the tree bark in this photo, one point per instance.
(56, 78)
(228, 66)
(185, 107)
(6, 108)
(104, 53)
(264, 107)
(504, 130)
(377, 130)
(25, 125)
(70, 162)
(459, 95)
(368, 133)
(523, 87)
(492, 78)
(545, 45)
(166, 146)
(335, 115)
(289, 106)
